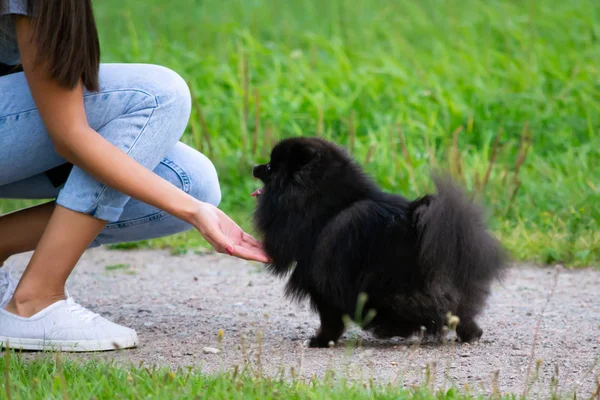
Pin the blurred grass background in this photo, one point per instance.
(504, 94)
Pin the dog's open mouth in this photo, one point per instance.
(257, 192)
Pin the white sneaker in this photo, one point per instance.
(63, 326)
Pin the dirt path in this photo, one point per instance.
(179, 304)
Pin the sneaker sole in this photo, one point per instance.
(68, 345)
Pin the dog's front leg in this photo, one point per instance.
(332, 326)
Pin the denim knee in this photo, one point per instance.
(173, 100)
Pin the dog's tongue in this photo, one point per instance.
(257, 192)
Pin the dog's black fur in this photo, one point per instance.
(416, 260)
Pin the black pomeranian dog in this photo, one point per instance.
(340, 236)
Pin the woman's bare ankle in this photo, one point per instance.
(27, 306)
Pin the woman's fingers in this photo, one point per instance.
(256, 246)
(249, 239)
(225, 236)
(250, 254)
(223, 244)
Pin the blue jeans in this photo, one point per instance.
(141, 109)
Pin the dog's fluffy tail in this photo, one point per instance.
(453, 239)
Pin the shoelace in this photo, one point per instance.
(80, 311)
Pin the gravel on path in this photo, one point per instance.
(178, 305)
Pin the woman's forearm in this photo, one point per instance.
(106, 163)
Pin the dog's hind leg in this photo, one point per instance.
(467, 329)
(332, 325)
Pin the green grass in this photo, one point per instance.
(55, 378)
(395, 81)
(116, 267)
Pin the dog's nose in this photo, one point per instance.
(255, 171)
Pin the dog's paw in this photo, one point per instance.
(469, 333)
(320, 343)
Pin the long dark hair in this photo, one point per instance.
(67, 41)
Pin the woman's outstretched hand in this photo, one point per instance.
(226, 236)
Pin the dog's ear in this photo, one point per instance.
(300, 155)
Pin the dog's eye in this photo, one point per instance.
(268, 167)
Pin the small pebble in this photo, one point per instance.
(211, 350)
